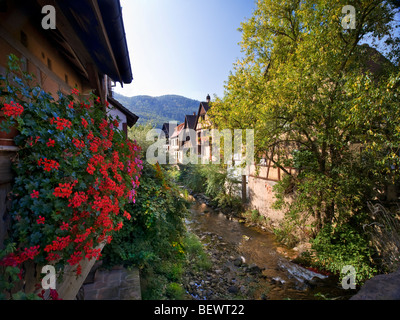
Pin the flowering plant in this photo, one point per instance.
(75, 172)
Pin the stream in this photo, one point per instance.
(247, 265)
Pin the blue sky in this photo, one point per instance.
(184, 47)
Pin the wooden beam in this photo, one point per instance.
(104, 31)
(95, 81)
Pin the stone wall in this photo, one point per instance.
(71, 284)
(261, 198)
(116, 284)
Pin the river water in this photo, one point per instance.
(247, 265)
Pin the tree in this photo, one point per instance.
(323, 100)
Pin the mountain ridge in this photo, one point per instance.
(161, 109)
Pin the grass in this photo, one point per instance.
(164, 279)
(195, 254)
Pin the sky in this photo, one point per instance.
(183, 47)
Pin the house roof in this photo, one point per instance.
(372, 60)
(165, 128)
(177, 130)
(100, 29)
(131, 118)
(205, 106)
(190, 121)
(88, 33)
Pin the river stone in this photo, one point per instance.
(233, 289)
(381, 287)
(237, 262)
(254, 269)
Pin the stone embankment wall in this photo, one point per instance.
(261, 198)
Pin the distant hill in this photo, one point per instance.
(159, 109)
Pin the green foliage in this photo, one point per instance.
(154, 238)
(163, 280)
(195, 254)
(255, 217)
(139, 133)
(215, 181)
(175, 291)
(192, 177)
(336, 247)
(8, 274)
(322, 102)
(69, 149)
(156, 226)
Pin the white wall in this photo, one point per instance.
(114, 113)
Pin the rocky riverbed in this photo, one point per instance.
(230, 276)
(233, 277)
(246, 264)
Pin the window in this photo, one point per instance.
(49, 65)
(24, 39)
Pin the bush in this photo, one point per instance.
(213, 180)
(192, 177)
(195, 255)
(156, 231)
(175, 291)
(341, 246)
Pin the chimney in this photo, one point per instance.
(208, 98)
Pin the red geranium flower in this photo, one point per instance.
(90, 169)
(127, 215)
(77, 200)
(48, 164)
(35, 194)
(12, 109)
(51, 143)
(61, 123)
(41, 220)
(64, 226)
(58, 244)
(63, 190)
(76, 257)
(84, 123)
(78, 143)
